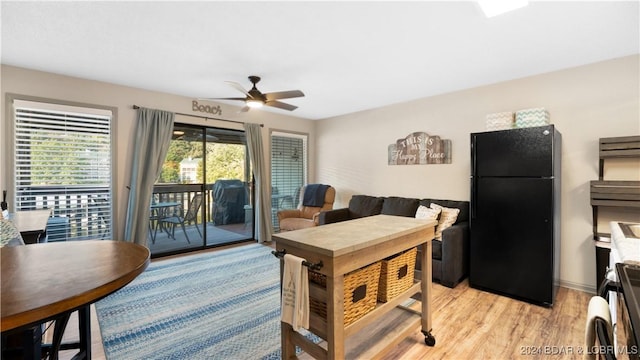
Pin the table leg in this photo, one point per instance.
(425, 288)
(335, 317)
(288, 347)
(152, 226)
(58, 330)
(84, 327)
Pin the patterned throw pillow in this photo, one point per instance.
(424, 212)
(9, 235)
(447, 218)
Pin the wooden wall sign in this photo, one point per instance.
(420, 148)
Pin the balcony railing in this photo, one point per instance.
(183, 193)
(78, 212)
(81, 213)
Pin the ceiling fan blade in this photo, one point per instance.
(283, 95)
(239, 88)
(281, 105)
(231, 98)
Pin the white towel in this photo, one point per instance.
(295, 293)
(598, 308)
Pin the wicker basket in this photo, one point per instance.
(360, 288)
(396, 274)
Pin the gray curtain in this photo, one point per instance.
(153, 135)
(262, 188)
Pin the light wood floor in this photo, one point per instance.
(473, 324)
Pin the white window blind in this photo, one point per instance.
(62, 159)
(288, 170)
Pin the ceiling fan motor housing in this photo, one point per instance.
(254, 79)
(254, 92)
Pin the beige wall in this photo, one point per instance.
(585, 104)
(350, 152)
(79, 91)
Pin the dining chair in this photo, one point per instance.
(181, 218)
(99, 211)
(10, 236)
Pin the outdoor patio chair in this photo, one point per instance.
(190, 216)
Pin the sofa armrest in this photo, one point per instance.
(289, 213)
(316, 218)
(333, 216)
(455, 253)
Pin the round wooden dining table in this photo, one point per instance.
(48, 281)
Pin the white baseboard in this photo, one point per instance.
(579, 287)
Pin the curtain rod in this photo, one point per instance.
(203, 117)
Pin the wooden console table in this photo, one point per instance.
(344, 247)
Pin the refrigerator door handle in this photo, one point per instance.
(474, 180)
(474, 187)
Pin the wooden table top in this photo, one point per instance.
(348, 236)
(41, 281)
(30, 221)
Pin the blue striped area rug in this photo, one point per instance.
(218, 305)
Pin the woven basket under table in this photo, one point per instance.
(396, 274)
(360, 289)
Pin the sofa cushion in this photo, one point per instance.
(447, 218)
(424, 212)
(400, 206)
(364, 205)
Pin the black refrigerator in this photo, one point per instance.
(515, 213)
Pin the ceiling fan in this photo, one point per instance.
(254, 98)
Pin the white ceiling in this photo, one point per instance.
(345, 56)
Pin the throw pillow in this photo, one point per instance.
(448, 217)
(424, 212)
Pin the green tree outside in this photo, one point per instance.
(224, 161)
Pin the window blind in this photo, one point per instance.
(288, 170)
(62, 161)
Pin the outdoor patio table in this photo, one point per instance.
(159, 211)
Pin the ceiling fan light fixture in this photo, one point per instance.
(253, 103)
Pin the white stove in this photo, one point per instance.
(625, 248)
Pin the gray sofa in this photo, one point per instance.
(450, 254)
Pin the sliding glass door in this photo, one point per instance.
(203, 196)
